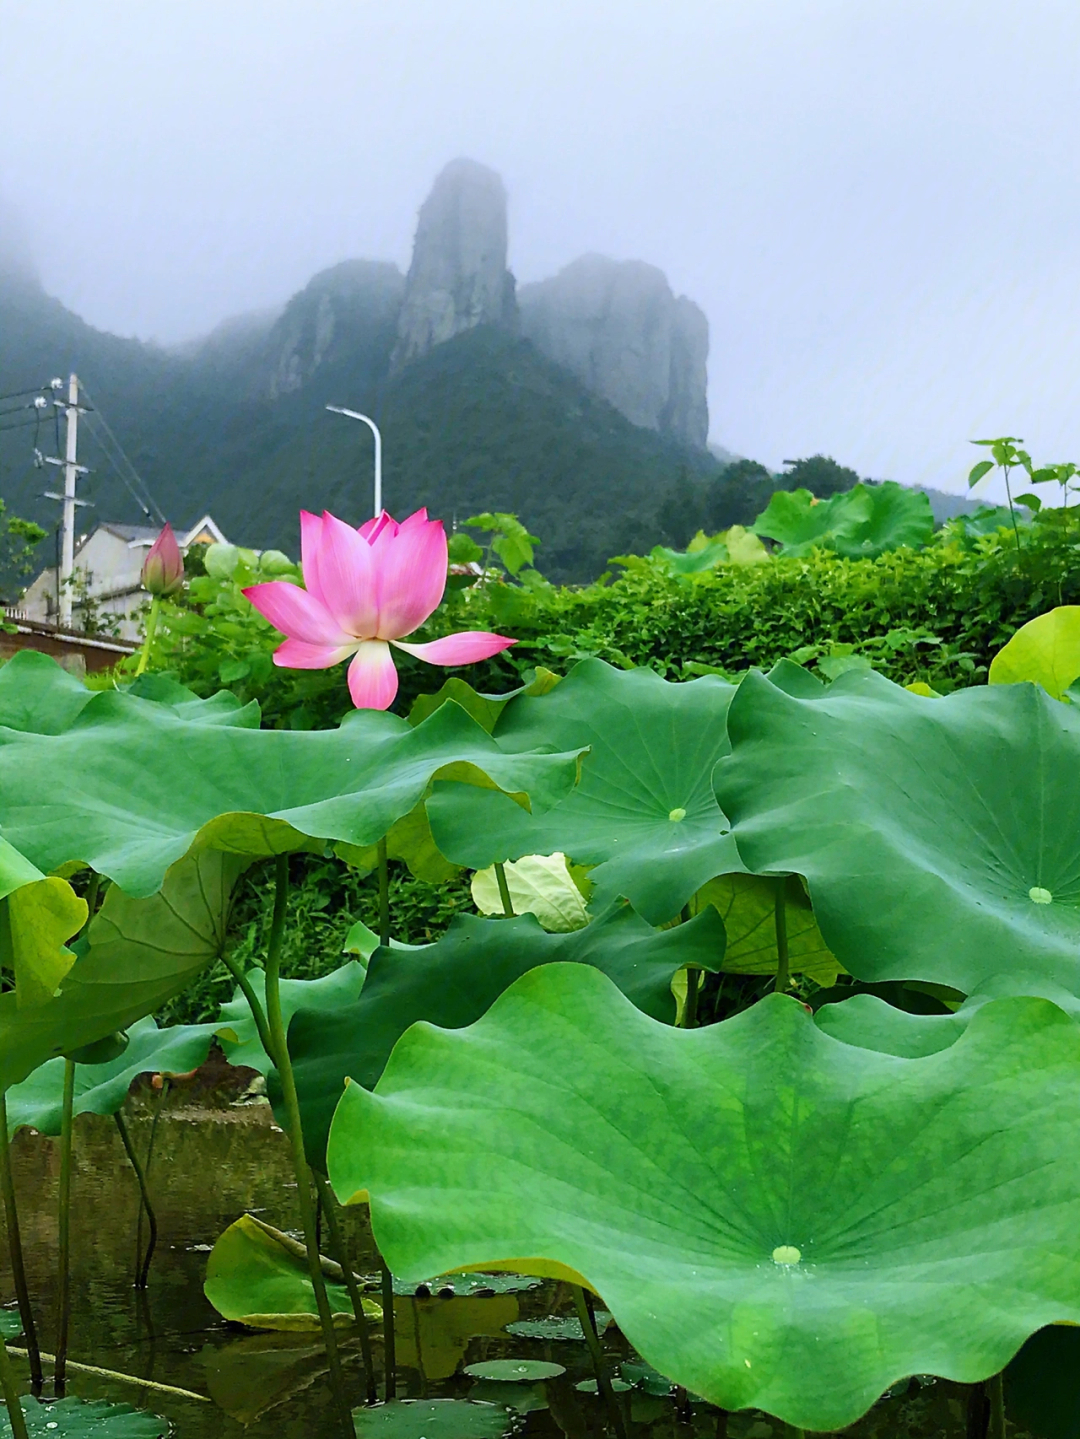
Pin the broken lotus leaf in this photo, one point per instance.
(644, 812)
(143, 787)
(775, 1220)
(453, 981)
(102, 1088)
(939, 841)
(137, 954)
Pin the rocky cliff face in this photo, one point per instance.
(458, 277)
(348, 312)
(620, 329)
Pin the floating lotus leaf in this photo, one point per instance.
(73, 1418)
(538, 884)
(138, 954)
(102, 1088)
(558, 1326)
(10, 1324)
(940, 838)
(644, 813)
(432, 1419)
(236, 1029)
(747, 905)
(38, 913)
(251, 1278)
(861, 523)
(453, 981)
(143, 787)
(775, 1220)
(1045, 651)
(514, 1371)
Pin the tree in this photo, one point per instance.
(820, 474)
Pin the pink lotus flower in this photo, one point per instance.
(364, 590)
(163, 568)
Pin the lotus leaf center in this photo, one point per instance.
(1037, 895)
(676, 815)
(786, 1254)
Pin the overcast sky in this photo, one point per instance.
(876, 202)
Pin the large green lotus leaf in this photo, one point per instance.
(747, 905)
(38, 695)
(870, 1023)
(453, 981)
(433, 1419)
(485, 709)
(776, 1220)
(1046, 651)
(940, 838)
(38, 913)
(73, 1418)
(138, 954)
(644, 813)
(252, 1279)
(102, 1088)
(861, 523)
(236, 1029)
(142, 787)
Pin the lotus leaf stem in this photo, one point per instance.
(997, 1407)
(587, 1321)
(337, 1246)
(504, 889)
(280, 1055)
(142, 1269)
(384, 893)
(693, 985)
(18, 1266)
(389, 1340)
(63, 1298)
(11, 1394)
(783, 972)
(258, 1014)
(148, 641)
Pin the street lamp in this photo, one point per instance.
(373, 427)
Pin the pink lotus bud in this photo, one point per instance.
(163, 568)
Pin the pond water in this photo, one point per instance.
(213, 1162)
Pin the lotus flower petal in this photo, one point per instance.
(311, 527)
(343, 573)
(373, 679)
(300, 655)
(464, 648)
(411, 569)
(297, 613)
(163, 568)
(371, 529)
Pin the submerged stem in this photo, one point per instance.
(337, 1249)
(10, 1386)
(997, 1406)
(280, 1054)
(592, 1339)
(389, 1340)
(18, 1267)
(143, 1270)
(783, 972)
(384, 893)
(63, 1298)
(504, 889)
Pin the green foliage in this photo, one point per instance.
(786, 1223)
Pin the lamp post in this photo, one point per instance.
(373, 427)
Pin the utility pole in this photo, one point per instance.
(67, 524)
(373, 427)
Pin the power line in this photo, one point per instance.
(17, 394)
(145, 500)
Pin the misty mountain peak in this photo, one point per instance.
(458, 277)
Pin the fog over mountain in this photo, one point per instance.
(881, 232)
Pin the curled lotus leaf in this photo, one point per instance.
(38, 914)
(539, 884)
(143, 787)
(644, 813)
(453, 981)
(102, 1088)
(940, 840)
(775, 1220)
